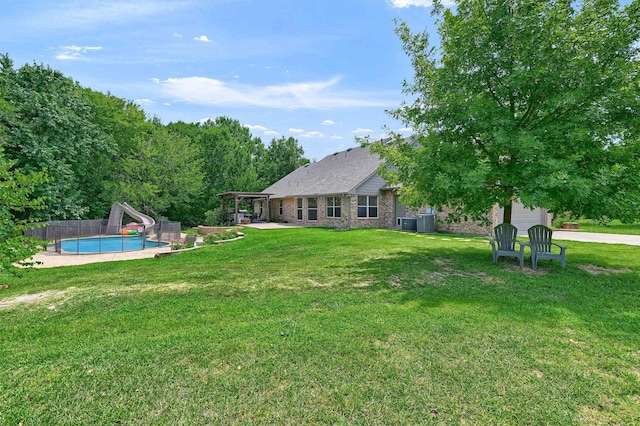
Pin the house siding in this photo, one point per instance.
(371, 186)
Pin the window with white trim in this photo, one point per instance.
(312, 209)
(299, 208)
(334, 207)
(368, 206)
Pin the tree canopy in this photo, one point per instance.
(97, 148)
(282, 156)
(531, 100)
(49, 127)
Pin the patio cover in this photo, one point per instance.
(239, 196)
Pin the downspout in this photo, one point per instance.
(349, 211)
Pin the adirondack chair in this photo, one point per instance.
(504, 243)
(541, 246)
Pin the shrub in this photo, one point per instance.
(177, 245)
(219, 236)
(558, 221)
(217, 217)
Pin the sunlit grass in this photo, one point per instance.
(613, 227)
(316, 326)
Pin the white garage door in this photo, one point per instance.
(523, 218)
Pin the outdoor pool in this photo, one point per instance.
(107, 244)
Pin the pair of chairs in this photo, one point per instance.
(505, 239)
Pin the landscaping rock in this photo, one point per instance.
(571, 225)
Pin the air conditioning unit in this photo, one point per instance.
(409, 224)
(426, 223)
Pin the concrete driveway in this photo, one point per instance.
(592, 237)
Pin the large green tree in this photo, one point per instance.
(163, 176)
(49, 127)
(282, 156)
(125, 125)
(530, 100)
(231, 156)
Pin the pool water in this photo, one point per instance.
(107, 244)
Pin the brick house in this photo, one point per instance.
(343, 190)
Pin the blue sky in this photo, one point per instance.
(322, 71)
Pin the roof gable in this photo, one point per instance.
(339, 173)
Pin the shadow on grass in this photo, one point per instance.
(466, 276)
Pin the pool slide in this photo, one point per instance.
(117, 212)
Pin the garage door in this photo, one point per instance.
(523, 218)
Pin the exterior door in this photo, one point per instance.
(400, 211)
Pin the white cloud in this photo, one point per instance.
(255, 127)
(312, 95)
(417, 3)
(144, 101)
(203, 38)
(301, 133)
(311, 135)
(359, 130)
(265, 131)
(177, 35)
(155, 80)
(336, 137)
(74, 53)
(328, 123)
(74, 14)
(405, 129)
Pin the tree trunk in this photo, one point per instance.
(506, 217)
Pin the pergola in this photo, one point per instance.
(237, 197)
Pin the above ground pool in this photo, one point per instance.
(107, 244)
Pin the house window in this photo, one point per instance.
(312, 208)
(299, 208)
(334, 207)
(281, 207)
(368, 206)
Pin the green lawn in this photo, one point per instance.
(317, 326)
(590, 225)
(613, 227)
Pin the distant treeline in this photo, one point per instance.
(96, 148)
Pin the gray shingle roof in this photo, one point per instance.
(339, 173)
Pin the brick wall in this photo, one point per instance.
(468, 227)
(349, 215)
(386, 216)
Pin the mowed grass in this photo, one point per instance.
(317, 326)
(613, 227)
